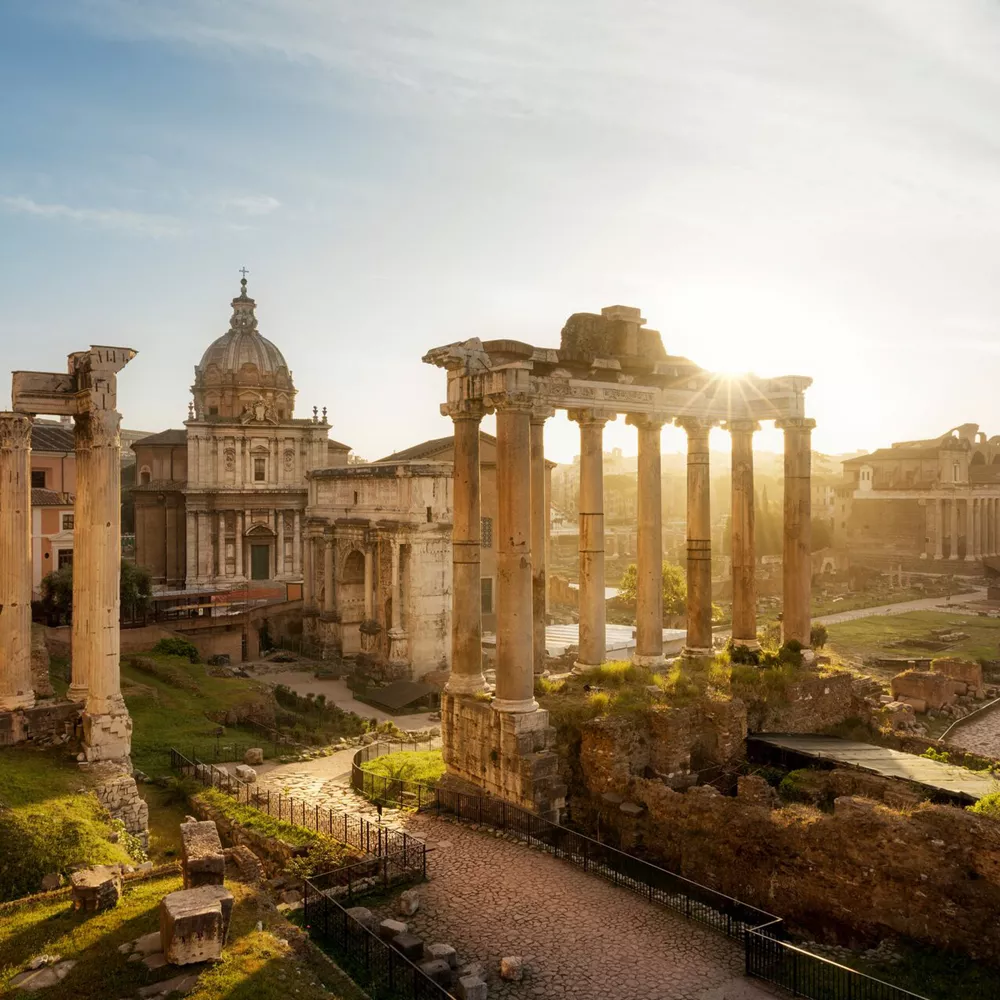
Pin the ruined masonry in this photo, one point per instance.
(606, 365)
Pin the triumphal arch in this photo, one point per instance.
(606, 365)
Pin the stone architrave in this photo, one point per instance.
(593, 608)
(649, 592)
(15, 562)
(797, 549)
(466, 601)
(515, 673)
(744, 549)
(699, 538)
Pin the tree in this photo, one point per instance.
(135, 592)
(674, 587)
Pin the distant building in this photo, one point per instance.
(925, 504)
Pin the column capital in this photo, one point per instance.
(647, 421)
(591, 416)
(795, 424)
(15, 430)
(695, 426)
(464, 409)
(742, 425)
(539, 414)
(514, 403)
(98, 427)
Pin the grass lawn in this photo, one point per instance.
(256, 965)
(866, 638)
(45, 826)
(425, 766)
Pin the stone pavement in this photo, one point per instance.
(980, 735)
(923, 604)
(582, 939)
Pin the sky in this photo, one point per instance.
(787, 188)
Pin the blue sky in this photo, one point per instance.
(810, 187)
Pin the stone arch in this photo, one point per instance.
(978, 458)
(354, 567)
(145, 476)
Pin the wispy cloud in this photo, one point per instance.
(252, 204)
(106, 218)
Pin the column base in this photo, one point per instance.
(463, 684)
(751, 644)
(649, 659)
(582, 668)
(76, 694)
(971, 558)
(107, 736)
(521, 706)
(696, 653)
(12, 703)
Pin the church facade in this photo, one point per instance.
(223, 501)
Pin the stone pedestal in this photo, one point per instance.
(194, 924)
(202, 860)
(399, 649)
(15, 562)
(97, 888)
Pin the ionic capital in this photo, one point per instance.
(539, 414)
(15, 431)
(465, 409)
(742, 426)
(590, 417)
(647, 421)
(695, 426)
(795, 423)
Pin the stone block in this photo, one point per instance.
(51, 881)
(363, 916)
(388, 929)
(512, 968)
(409, 946)
(246, 773)
(43, 976)
(917, 704)
(254, 756)
(179, 984)
(754, 790)
(470, 988)
(194, 924)
(409, 902)
(965, 672)
(97, 888)
(631, 809)
(445, 952)
(933, 688)
(438, 970)
(900, 714)
(202, 860)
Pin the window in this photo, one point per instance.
(145, 477)
(486, 590)
(38, 479)
(355, 496)
(430, 515)
(486, 529)
(65, 557)
(259, 470)
(954, 473)
(213, 411)
(67, 522)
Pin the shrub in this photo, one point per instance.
(599, 702)
(818, 636)
(324, 856)
(988, 806)
(177, 647)
(131, 843)
(544, 686)
(740, 653)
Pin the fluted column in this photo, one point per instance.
(744, 553)
(328, 604)
(996, 526)
(515, 674)
(15, 562)
(466, 602)
(699, 538)
(369, 602)
(396, 600)
(970, 530)
(239, 543)
(593, 608)
(539, 531)
(797, 548)
(649, 565)
(938, 506)
(84, 608)
(297, 544)
(107, 727)
(953, 553)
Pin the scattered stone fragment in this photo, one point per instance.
(51, 881)
(97, 888)
(155, 961)
(148, 943)
(409, 902)
(42, 977)
(246, 773)
(409, 946)
(202, 860)
(512, 968)
(291, 896)
(445, 952)
(388, 929)
(470, 988)
(179, 984)
(194, 923)
(363, 916)
(438, 970)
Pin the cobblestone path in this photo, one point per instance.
(981, 735)
(581, 938)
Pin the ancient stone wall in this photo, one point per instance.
(54, 722)
(809, 705)
(117, 791)
(864, 872)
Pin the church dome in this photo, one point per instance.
(241, 368)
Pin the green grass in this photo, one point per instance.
(256, 965)
(877, 597)
(46, 826)
(424, 766)
(866, 638)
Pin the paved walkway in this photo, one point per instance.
(980, 735)
(581, 938)
(924, 604)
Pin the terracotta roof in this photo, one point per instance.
(428, 449)
(49, 498)
(52, 437)
(172, 436)
(889, 453)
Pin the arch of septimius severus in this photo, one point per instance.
(606, 365)
(87, 392)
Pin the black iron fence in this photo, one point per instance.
(376, 874)
(388, 789)
(371, 838)
(377, 967)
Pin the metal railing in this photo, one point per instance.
(376, 874)
(385, 789)
(378, 968)
(371, 838)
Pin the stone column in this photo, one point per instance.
(307, 570)
(953, 553)
(221, 541)
(15, 562)
(280, 571)
(466, 600)
(369, 603)
(970, 530)
(84, 608)
(328, 605)
(515, 673)
(396, 615)
(539, 528)
(797, 549)
(297, 544)
(107, 728)
(649, 595)
(977, 513)
(938, 506)
(239, 543)
(744, 552)
(699, 538)
(593, 609)
(996, 526)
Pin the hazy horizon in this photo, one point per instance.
(789, 189)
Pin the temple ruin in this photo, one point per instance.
(606, 365)
(87, 392)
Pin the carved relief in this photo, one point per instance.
(15, 431)
(289, 460)
(230, 459)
